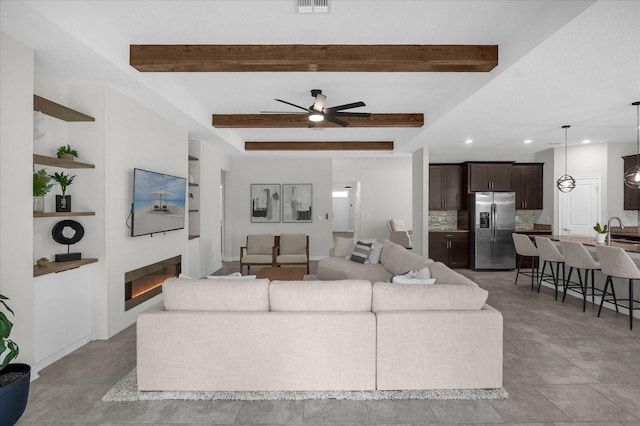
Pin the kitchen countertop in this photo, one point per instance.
(533, 231)
(629, 247)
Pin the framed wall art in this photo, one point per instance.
(297, 202)
(265, 202)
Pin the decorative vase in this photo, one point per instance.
(14, 394)
(63, 203)
(600, 238)
(38, 203)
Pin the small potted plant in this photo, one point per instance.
(14, 378)
(41, 187)
(63, 202)
(601, 233)
(67, 153)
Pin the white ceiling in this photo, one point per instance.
(561, 62)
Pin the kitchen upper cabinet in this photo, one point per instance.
(631, 195)
(526, 182)
(488, 176)
(450, 248)
(445, 187)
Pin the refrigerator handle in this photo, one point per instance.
(493, 221)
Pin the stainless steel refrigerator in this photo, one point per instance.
(492, 219)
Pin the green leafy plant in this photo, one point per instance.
(63, 150)
(41, 185)
(599, 229)
(64, 180)
(6, 344)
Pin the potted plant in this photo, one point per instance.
(63, 202)
(601, 233)
(14, 378)
(41, 187)
(67, 153)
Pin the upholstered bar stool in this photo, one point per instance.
(578, 257)
(550, 255)
(615, 262)
(525, 248)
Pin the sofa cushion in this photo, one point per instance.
(316, 296)
(342, 247)
(437, 297)
(361, 252)
(216, 295)
(338, 268)
(398, 260)
(445, 275)
(293, 244)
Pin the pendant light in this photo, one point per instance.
(565, 183)
(632, 175)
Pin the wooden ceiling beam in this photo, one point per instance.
(313, 57)
(296, 121)
(319, 146)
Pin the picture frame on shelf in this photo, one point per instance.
(265, 202)
(297, 203)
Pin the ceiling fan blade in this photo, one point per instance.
(281, 112)
(352, 114)
(345, 106)
(294, 105)
(336, 120)
(318, 105)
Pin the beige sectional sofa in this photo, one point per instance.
(320, 335)
(394, 260)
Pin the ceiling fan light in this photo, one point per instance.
(316, 117)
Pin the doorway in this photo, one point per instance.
(346, 209)
(580, 209)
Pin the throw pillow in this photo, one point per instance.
(420, 277)
(186, 277)
(361, 252)
(342, 247)
(376, 252)
(231, 277)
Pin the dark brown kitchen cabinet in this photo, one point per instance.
(445, 187)
(450, 248)
(631, 195)
(488, 176)
(526, 182)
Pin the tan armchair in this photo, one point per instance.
(292, 249)
(399, 234)
(259, 250)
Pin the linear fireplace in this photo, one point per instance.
(143, 283)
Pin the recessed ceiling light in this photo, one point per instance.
(586, 141)
(527, 141)
(468, 141)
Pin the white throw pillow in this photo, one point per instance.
(424, 273)
(187, 277)
(376, 252)
(342, 247)
(420, 277)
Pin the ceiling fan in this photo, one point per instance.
(317, 112)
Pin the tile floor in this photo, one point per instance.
(560, 366)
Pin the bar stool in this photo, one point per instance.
(578, 257)
(615, 262)
(550, 254)
(526, 248)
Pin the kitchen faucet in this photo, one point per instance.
(609, 228)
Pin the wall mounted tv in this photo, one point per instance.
(159, 202)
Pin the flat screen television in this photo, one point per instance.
(159, 202)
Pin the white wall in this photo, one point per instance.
(546, 215)
(136, 137)
(386, 191)
(16, 217)
(420, 167)
(245, 171)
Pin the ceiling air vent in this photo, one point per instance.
(312, 6)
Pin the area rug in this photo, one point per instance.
(127, 390)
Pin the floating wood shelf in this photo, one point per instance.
(193, 210)
(59, 162)
(192, 158)
(193, 236)
(193, 184)
(63, 214)
(54, 267)
(61, 112)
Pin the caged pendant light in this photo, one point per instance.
(632, 175)
(565, 183)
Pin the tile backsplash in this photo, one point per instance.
(443, 219)
(525, 219)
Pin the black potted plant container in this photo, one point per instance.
(14, 378)
(63, 203)
(14, 392)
